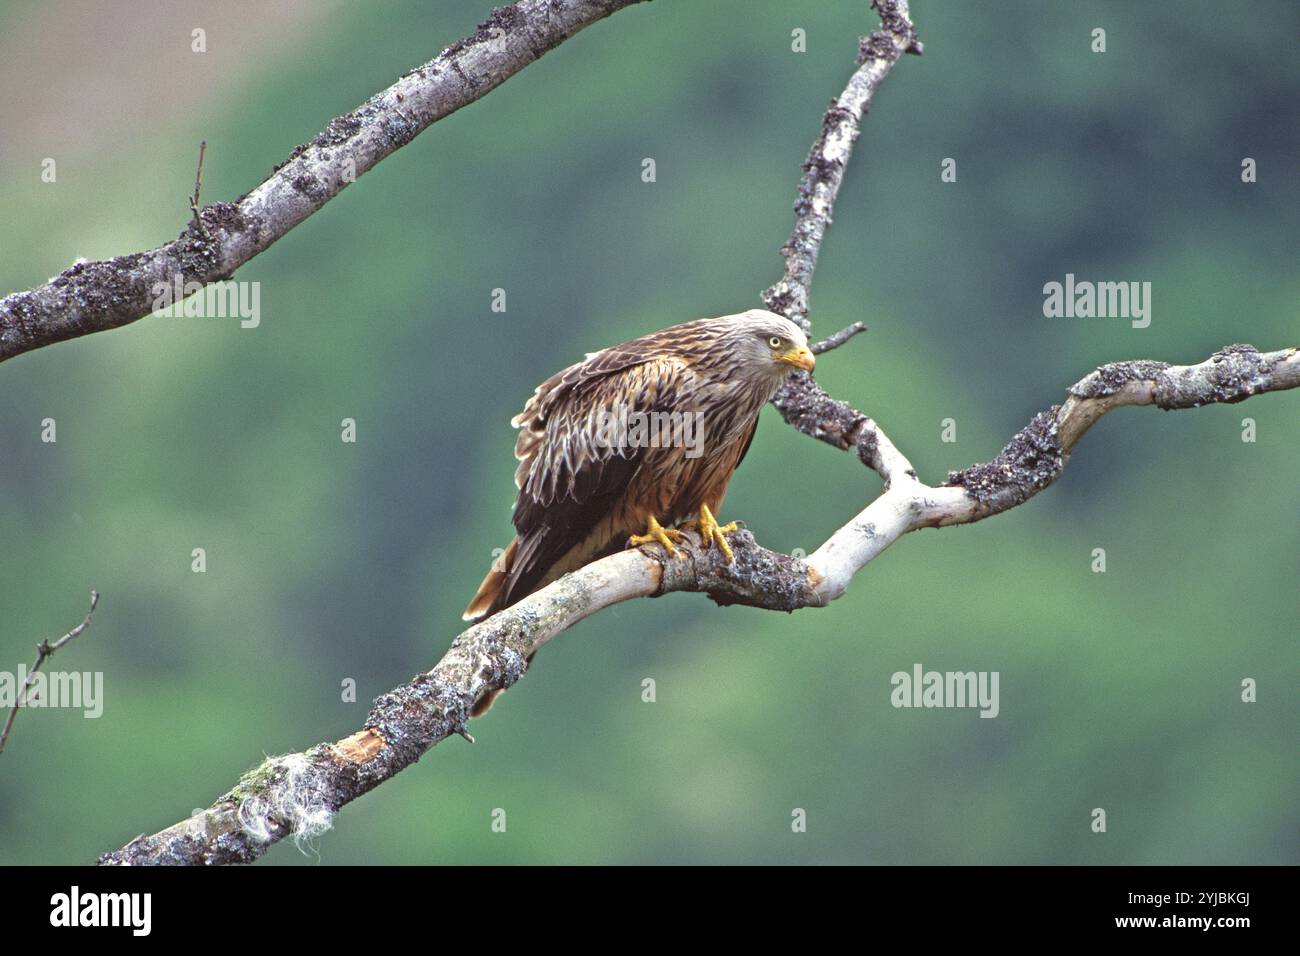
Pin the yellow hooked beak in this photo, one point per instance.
(799, 357)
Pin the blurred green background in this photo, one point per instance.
(329, 561)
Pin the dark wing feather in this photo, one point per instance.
(748, 441)
(568, 480)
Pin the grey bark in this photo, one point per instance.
(97, 296)
(298, 794)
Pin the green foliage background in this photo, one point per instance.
(329, 561)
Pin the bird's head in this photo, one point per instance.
(769, 343)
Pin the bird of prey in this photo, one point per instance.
(638, 438)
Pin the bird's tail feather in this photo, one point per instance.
(519, 571)
(490, 596)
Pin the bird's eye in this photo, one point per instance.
(774, 341)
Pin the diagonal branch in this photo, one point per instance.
(1037, 454)
(298, 794)
(823, 170)
(97, 296)
(834, 341)
(801, 401)
(44, 650)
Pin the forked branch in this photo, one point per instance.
(297, 795)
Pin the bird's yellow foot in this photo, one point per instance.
(711, 531)
(656, 533)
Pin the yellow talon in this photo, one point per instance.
(657, 534)
(711, 531)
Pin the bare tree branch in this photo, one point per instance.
(44, 650)
(298, 794)
(194, 200)
(823, 170)
(96, 296)
(839, 338)
(801, 401)
(1036, 455)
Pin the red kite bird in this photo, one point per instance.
(623, 446)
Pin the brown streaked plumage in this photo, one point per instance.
(585, 489)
